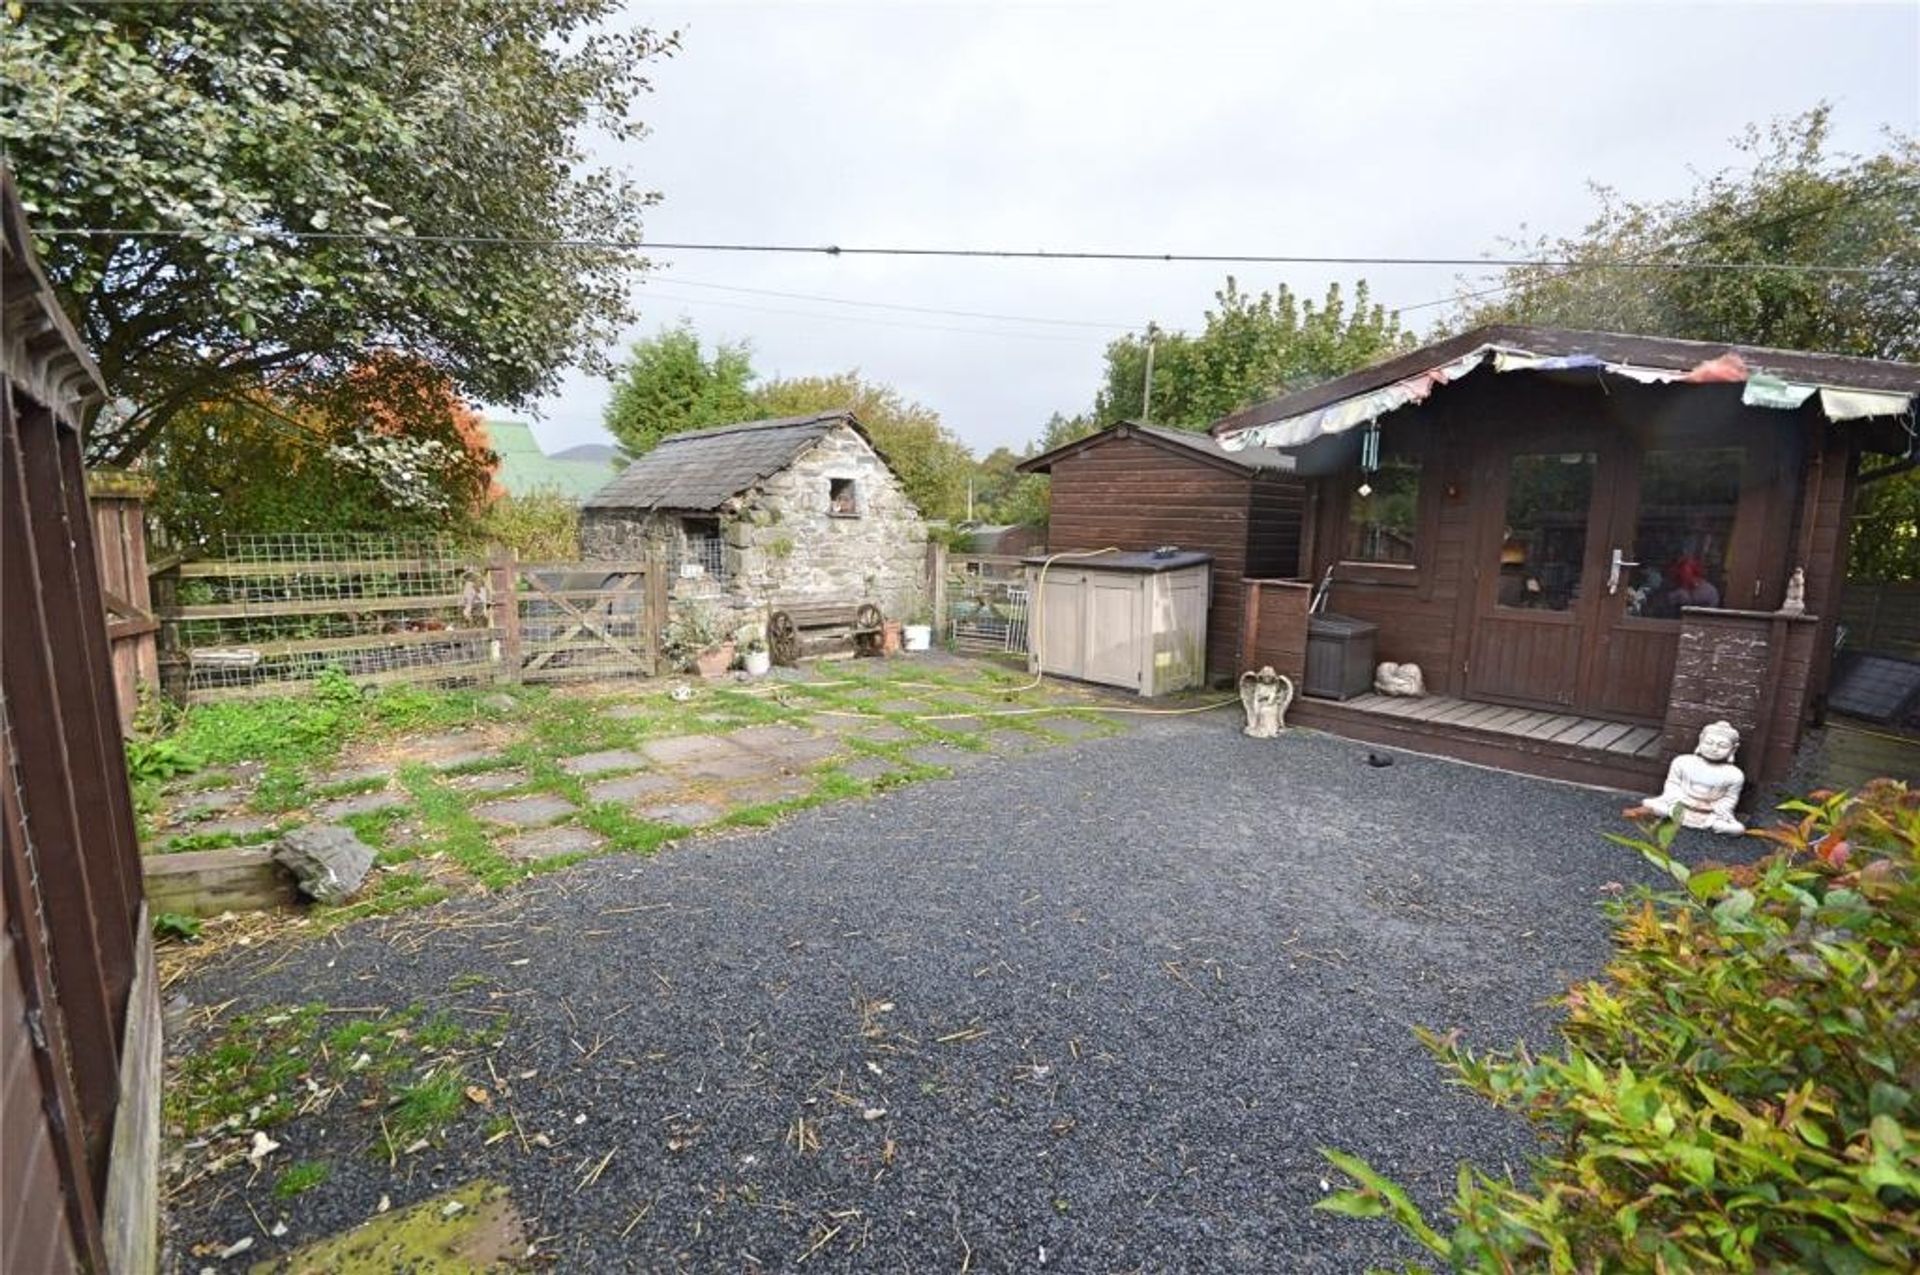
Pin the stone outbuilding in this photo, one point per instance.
(769, 514)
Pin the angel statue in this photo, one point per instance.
(1265, 695)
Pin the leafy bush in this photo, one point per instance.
(151, 759)
(1737, 1093)
(539, 526)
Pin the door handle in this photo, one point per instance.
(1613, 571)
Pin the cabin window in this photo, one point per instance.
(1543, 554)
(843, 498)
(1381, 523)
(1683, 534)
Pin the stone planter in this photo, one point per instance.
(917, 637)
(715, 661)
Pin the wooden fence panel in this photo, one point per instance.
(79, 1089)
(1275, 630)
(1882, 617)
(118, 503)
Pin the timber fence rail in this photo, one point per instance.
(274, 612)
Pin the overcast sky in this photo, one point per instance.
(1317, 129)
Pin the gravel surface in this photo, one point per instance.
(1105, 1002)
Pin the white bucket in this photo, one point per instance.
(917, 637)
(758, 662)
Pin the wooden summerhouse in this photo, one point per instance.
(1138, 487)
(1584, 540)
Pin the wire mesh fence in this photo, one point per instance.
(986, 604)
(277, 609)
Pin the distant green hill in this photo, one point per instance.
(525, 468)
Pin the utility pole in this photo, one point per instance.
(1146, 393)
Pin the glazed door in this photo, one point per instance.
(1538, 608)
(1598, 544)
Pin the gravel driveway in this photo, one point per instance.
(1097, 1008)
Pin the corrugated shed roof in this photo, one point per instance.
(524, 468)
(698, 471)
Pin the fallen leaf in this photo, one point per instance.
(873, 1113)
(478, 1095)
(236, 1248)
(263, 1146)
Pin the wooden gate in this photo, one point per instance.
(578, 620)
(118, 502)
(79, 1036)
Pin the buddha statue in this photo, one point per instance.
(1265, 696)
(1703, 786)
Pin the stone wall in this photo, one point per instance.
(784, 546)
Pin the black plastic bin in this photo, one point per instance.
(1339, 656)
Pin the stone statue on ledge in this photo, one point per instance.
(1703, 786)
(1399, 679)
(1265, 695)
(1795, 603)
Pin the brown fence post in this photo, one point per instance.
(1249, 625)
(503, 578)
(937, 585)
(654, 611)
(174, 671)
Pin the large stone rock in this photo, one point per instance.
(327, 860)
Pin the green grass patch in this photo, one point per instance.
(427, 1105)
(388, 892)
(302, 1176)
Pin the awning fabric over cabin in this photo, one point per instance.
(1838, 402)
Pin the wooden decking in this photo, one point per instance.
(1625, 756)
(1623, 738)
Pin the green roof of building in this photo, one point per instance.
(524, 468)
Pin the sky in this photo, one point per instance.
(1277, 128)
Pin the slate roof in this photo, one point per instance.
(1203, 446)
(524, 468)
(700, 470)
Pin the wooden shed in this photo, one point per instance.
(1584, 540)
(1138, 487)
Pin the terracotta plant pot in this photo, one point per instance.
(715, 661)
(891, 643)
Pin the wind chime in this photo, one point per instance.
(1369, 457)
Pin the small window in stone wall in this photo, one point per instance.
(699, 550)
(843, 498)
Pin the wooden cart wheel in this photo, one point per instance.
(783, 639)
(868, 623)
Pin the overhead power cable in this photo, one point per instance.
(1004, 254)
(1087, 339)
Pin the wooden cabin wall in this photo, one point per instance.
(1426, 615)
(1276, 512)
(1135, 496)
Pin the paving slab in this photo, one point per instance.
(465, 757)
(944, 755)
(491, 780)
(870, 767)
(209, 801)
(525, 812)
(1075, 727)
(690, 814)
(678, 750)
(230, 826)
(785, 788)
(632, 787)
(604, 763)
(350, 775)
(710, 757)
(364, 803)
(547, 843)
(787, 744)
(877, 730)
(913, 706)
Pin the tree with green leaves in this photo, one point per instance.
(670, 384)
(1792, 201)
(231, 192)
(933, 465)
(1248, 348)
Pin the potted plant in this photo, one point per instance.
(917, 633)
(755, 657)
(693, 638)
